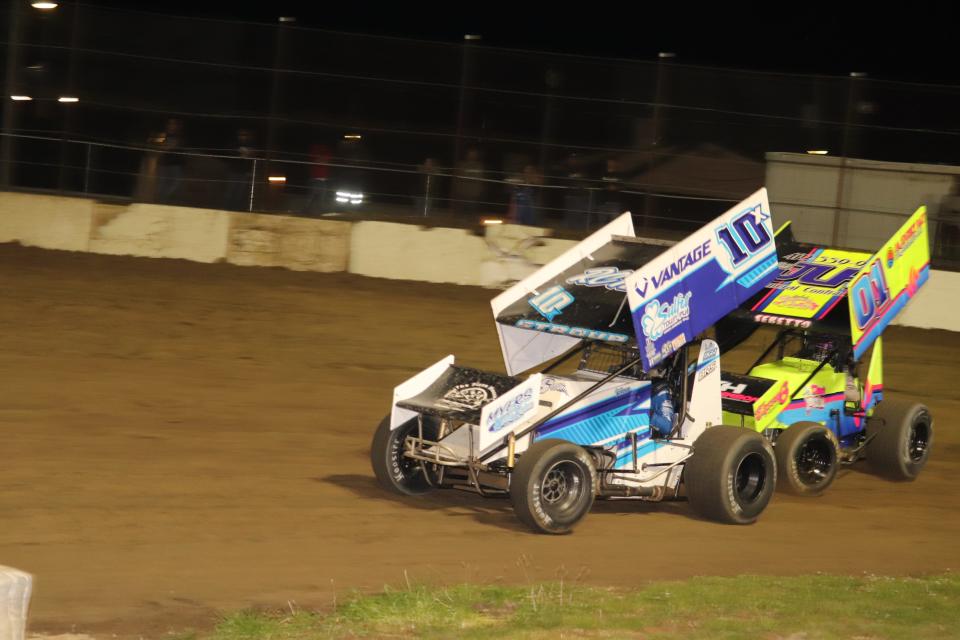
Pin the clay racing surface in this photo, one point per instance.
(181, 439)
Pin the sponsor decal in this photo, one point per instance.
(710, 350)
(511, 411)
(767, 318)
(797, 302)
(727, 386)
(905, 240)
(467, 396)
(611, 278)
(739, 397)
(655, 357)
(709, 368)
(676, 268)
(813, 398)
(642, 285)
(736, 392)
(551, 302)
(709, 356)
(814, 274)
(553, 384)
(627, 388)
(574, 332)
(783, 395)
(659, 318)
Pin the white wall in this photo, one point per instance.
(48, 222)
(300, 244)
(408, 252)
(157, 231)
(378, 249)
(935, 305)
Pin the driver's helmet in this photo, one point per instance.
(663, 416)
(818, 346)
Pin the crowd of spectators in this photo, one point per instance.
(578, 192)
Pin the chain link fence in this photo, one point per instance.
(280, 118)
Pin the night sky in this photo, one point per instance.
(915, 43)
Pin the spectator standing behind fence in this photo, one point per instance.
(424, 200)
(525, 197)
(240, 172)
(320, 156)
(468, 185)
(146, 187)
(170, 164)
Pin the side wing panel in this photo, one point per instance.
(887, 282)
(524, 348)
(696, 282)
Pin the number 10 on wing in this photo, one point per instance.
(745, 236)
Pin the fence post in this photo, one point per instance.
(426, 198)
(9, 110)
(253, 183)
(86, 170)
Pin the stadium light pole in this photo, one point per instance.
(663, 59)
(66, 123)
(9, 125)
(282, 23)
(466, 64)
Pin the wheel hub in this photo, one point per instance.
(750, 478)
(554, 486)
(814, 460)
(919, 439)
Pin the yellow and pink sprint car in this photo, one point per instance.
(820, 400)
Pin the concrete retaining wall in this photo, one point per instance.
(257, 240)
(935, 305)
(153, 231)
(502, 255)
(48, 222)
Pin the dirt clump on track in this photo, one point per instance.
(182, 439)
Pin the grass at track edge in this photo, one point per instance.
(794, 608)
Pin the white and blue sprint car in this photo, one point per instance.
(615, 406)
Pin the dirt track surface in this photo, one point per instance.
(182, 439)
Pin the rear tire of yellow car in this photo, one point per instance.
(807, 454)
(900, 434)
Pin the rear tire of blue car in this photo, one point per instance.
(806, 459)
(900, 434)
(394, 471)
(552, 486)
(731, 476)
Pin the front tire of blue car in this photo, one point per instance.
(552, 486)
(394, 471)
(731, 476)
